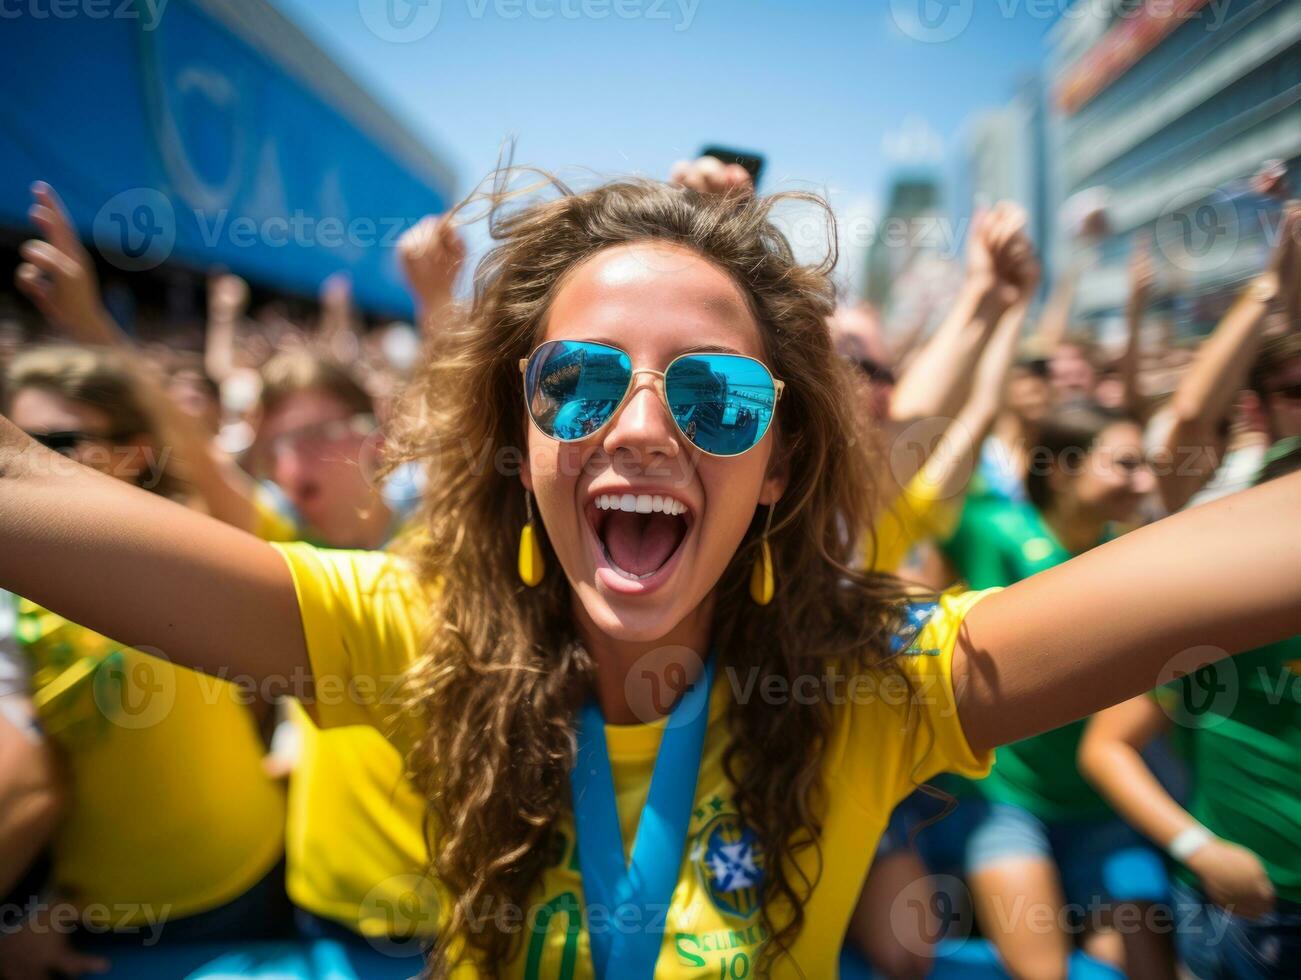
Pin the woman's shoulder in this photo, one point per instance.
(364, 616)
(354, 577)
(901, 725)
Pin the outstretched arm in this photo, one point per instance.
(953, 384)
(60, 278)
(1141, 278)
(1206, 394)
(1055, 320)
(227, 302)
(938, 380)
(1110, 758)
(432, 253)
(1099, 629)
(141, 569)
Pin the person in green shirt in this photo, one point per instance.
(1035, 832)
(1237, 887)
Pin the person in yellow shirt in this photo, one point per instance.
(169, 830)
(642, 467)
(354, 846)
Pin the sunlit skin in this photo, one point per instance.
(654, 301)
(42, 410)
(325, 480)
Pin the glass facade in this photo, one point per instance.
(1176, 139)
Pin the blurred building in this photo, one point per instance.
(1004, 157)
(911, 259)
(1171, 106)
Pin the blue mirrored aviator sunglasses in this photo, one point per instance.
(722, 403)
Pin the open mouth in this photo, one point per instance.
(638, 536)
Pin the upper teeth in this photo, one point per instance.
(640, 503)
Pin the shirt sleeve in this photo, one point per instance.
(363, 616)
(904, 727)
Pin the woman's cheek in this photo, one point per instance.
(731, 496)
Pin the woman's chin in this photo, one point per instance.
(629, 618)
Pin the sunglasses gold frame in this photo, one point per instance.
(778, 387)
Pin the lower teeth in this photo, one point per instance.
(627, 574)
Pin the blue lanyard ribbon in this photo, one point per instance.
(633, 898)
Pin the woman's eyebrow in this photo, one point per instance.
(712, 349)
(694, 349)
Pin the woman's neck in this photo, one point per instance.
(638, 681)
(1011, 430)
(1075, 528)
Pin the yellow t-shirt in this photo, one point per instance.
(270, 523)
(916, 515)
(169, 812)
(362, 615)
(354, 837)
(355, 846)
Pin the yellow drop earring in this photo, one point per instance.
(762, 585)
(531, 565)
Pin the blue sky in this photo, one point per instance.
(836, 94)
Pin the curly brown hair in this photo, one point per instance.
(500, 681)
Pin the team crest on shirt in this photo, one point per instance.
(914, 619)
(727, 859)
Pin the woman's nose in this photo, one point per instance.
(643, 426)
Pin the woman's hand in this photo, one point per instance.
(227, 297)
(1001, 259)
(58, 274)
(710, 175)
(432, 253)
(1233, 878)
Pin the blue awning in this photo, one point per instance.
(206, 132)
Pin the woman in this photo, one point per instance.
(130, 729)
(1035, 829)
(606, 607)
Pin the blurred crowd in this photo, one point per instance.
(1010, 441)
